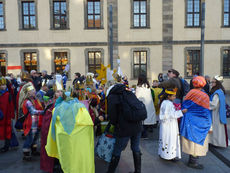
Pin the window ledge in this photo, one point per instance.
(225, 26)
(3, 30)
(132, 27)
(101, 28)
(190, 27)
(59, 29)
(226, 77)
(23, 29)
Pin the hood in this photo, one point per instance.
(117, 89)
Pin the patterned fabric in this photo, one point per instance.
(199, 82)
(105, 146)
(198, 97)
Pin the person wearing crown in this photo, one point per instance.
(47, 163)
(169, 140)
(196, 123)
(32, 109)
(70, 137)
(7, 109)
(219, 136)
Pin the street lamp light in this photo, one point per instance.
(202, 36)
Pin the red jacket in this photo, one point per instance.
(7, 108)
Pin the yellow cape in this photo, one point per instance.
(75, 151)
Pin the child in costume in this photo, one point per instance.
(71, 138)
(7, 109)
(169, 139)
(46, 162)
(32, 109)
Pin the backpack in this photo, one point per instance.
(132, 108)
(185, 87)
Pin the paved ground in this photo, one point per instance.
(11, 162)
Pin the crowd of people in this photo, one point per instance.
(66, 119)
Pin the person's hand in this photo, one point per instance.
(101, 118)
(209, 132)
(184, 111)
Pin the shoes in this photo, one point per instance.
(194, 162)
(27, 156)
(195, 166)
(4, 149)
(113, 164)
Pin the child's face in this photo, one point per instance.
(172, 97)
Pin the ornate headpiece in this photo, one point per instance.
(2, 81)
(25, 76)
(219, 78)
(173, 92)
(58, 83)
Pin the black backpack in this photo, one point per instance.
(132, 109)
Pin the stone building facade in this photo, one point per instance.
(149, 36)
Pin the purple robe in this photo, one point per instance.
(46, 162)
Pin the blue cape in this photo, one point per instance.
(196, 123)
(222, 109)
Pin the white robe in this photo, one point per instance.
(144, 94)
(218, 135)
(169, 139)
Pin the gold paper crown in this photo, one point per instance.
(173, 92)
(89, 80)
(2, 81)
(25, 76)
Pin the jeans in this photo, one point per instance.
(121, 143)
(30, 140)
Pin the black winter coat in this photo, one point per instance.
(123, 128)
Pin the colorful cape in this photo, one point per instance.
(196, 123)
(222, 109)
(72, 139)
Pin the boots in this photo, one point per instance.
(27, 156)
(193, 162)
(6, 146)
(137, 162)
(34, 151)
(113, 164)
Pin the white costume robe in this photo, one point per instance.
(143, 93)
(169, 139)
(218, 135)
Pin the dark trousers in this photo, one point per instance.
(121, 143)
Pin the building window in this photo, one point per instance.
(60, 61)
(59, 15)
(94, 61)
(139, 63)
(193, 13)
(2, 18)
(28, 15)
(30, 61)
(93, 14)
(139, 13)
(3, 63)
(226, 63)
(192, 62)
(226, 13)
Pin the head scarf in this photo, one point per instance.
(199, 82)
